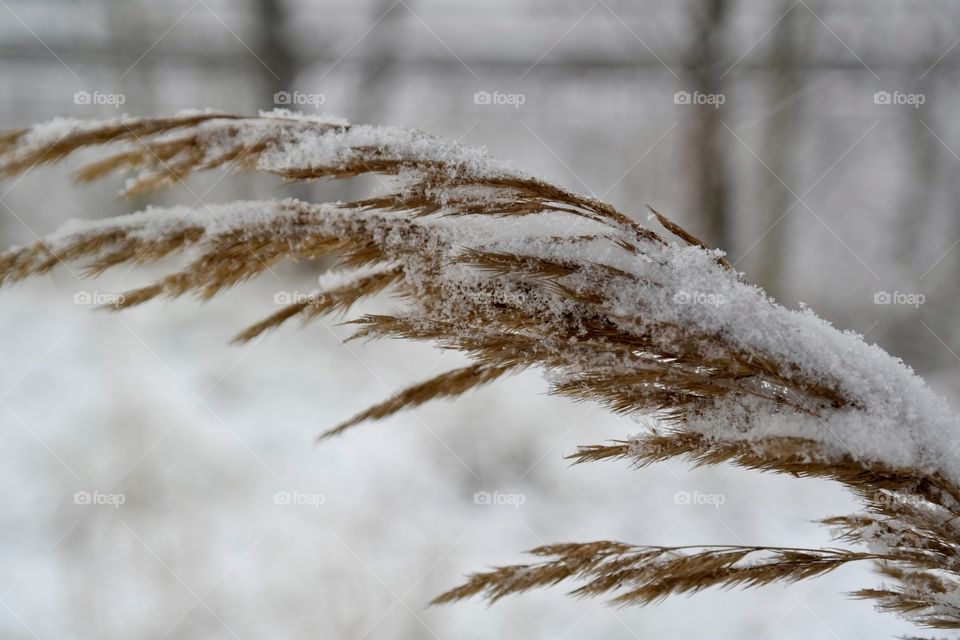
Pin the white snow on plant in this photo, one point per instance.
(893, 417)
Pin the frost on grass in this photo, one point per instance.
(518, 273)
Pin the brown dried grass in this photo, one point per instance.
(632, 372)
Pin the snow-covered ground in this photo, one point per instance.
(206, 443)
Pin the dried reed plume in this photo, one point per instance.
(519, 273)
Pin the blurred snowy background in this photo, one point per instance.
(814, 141)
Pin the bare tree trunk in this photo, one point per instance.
(781, 137)
(279, 68)
(378, 72)
(379, 69)
(709, 167)
(915, 202)
(914, 234)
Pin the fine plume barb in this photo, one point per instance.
(643, 575)
(518, 273)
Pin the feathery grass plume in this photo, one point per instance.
(518, 273)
